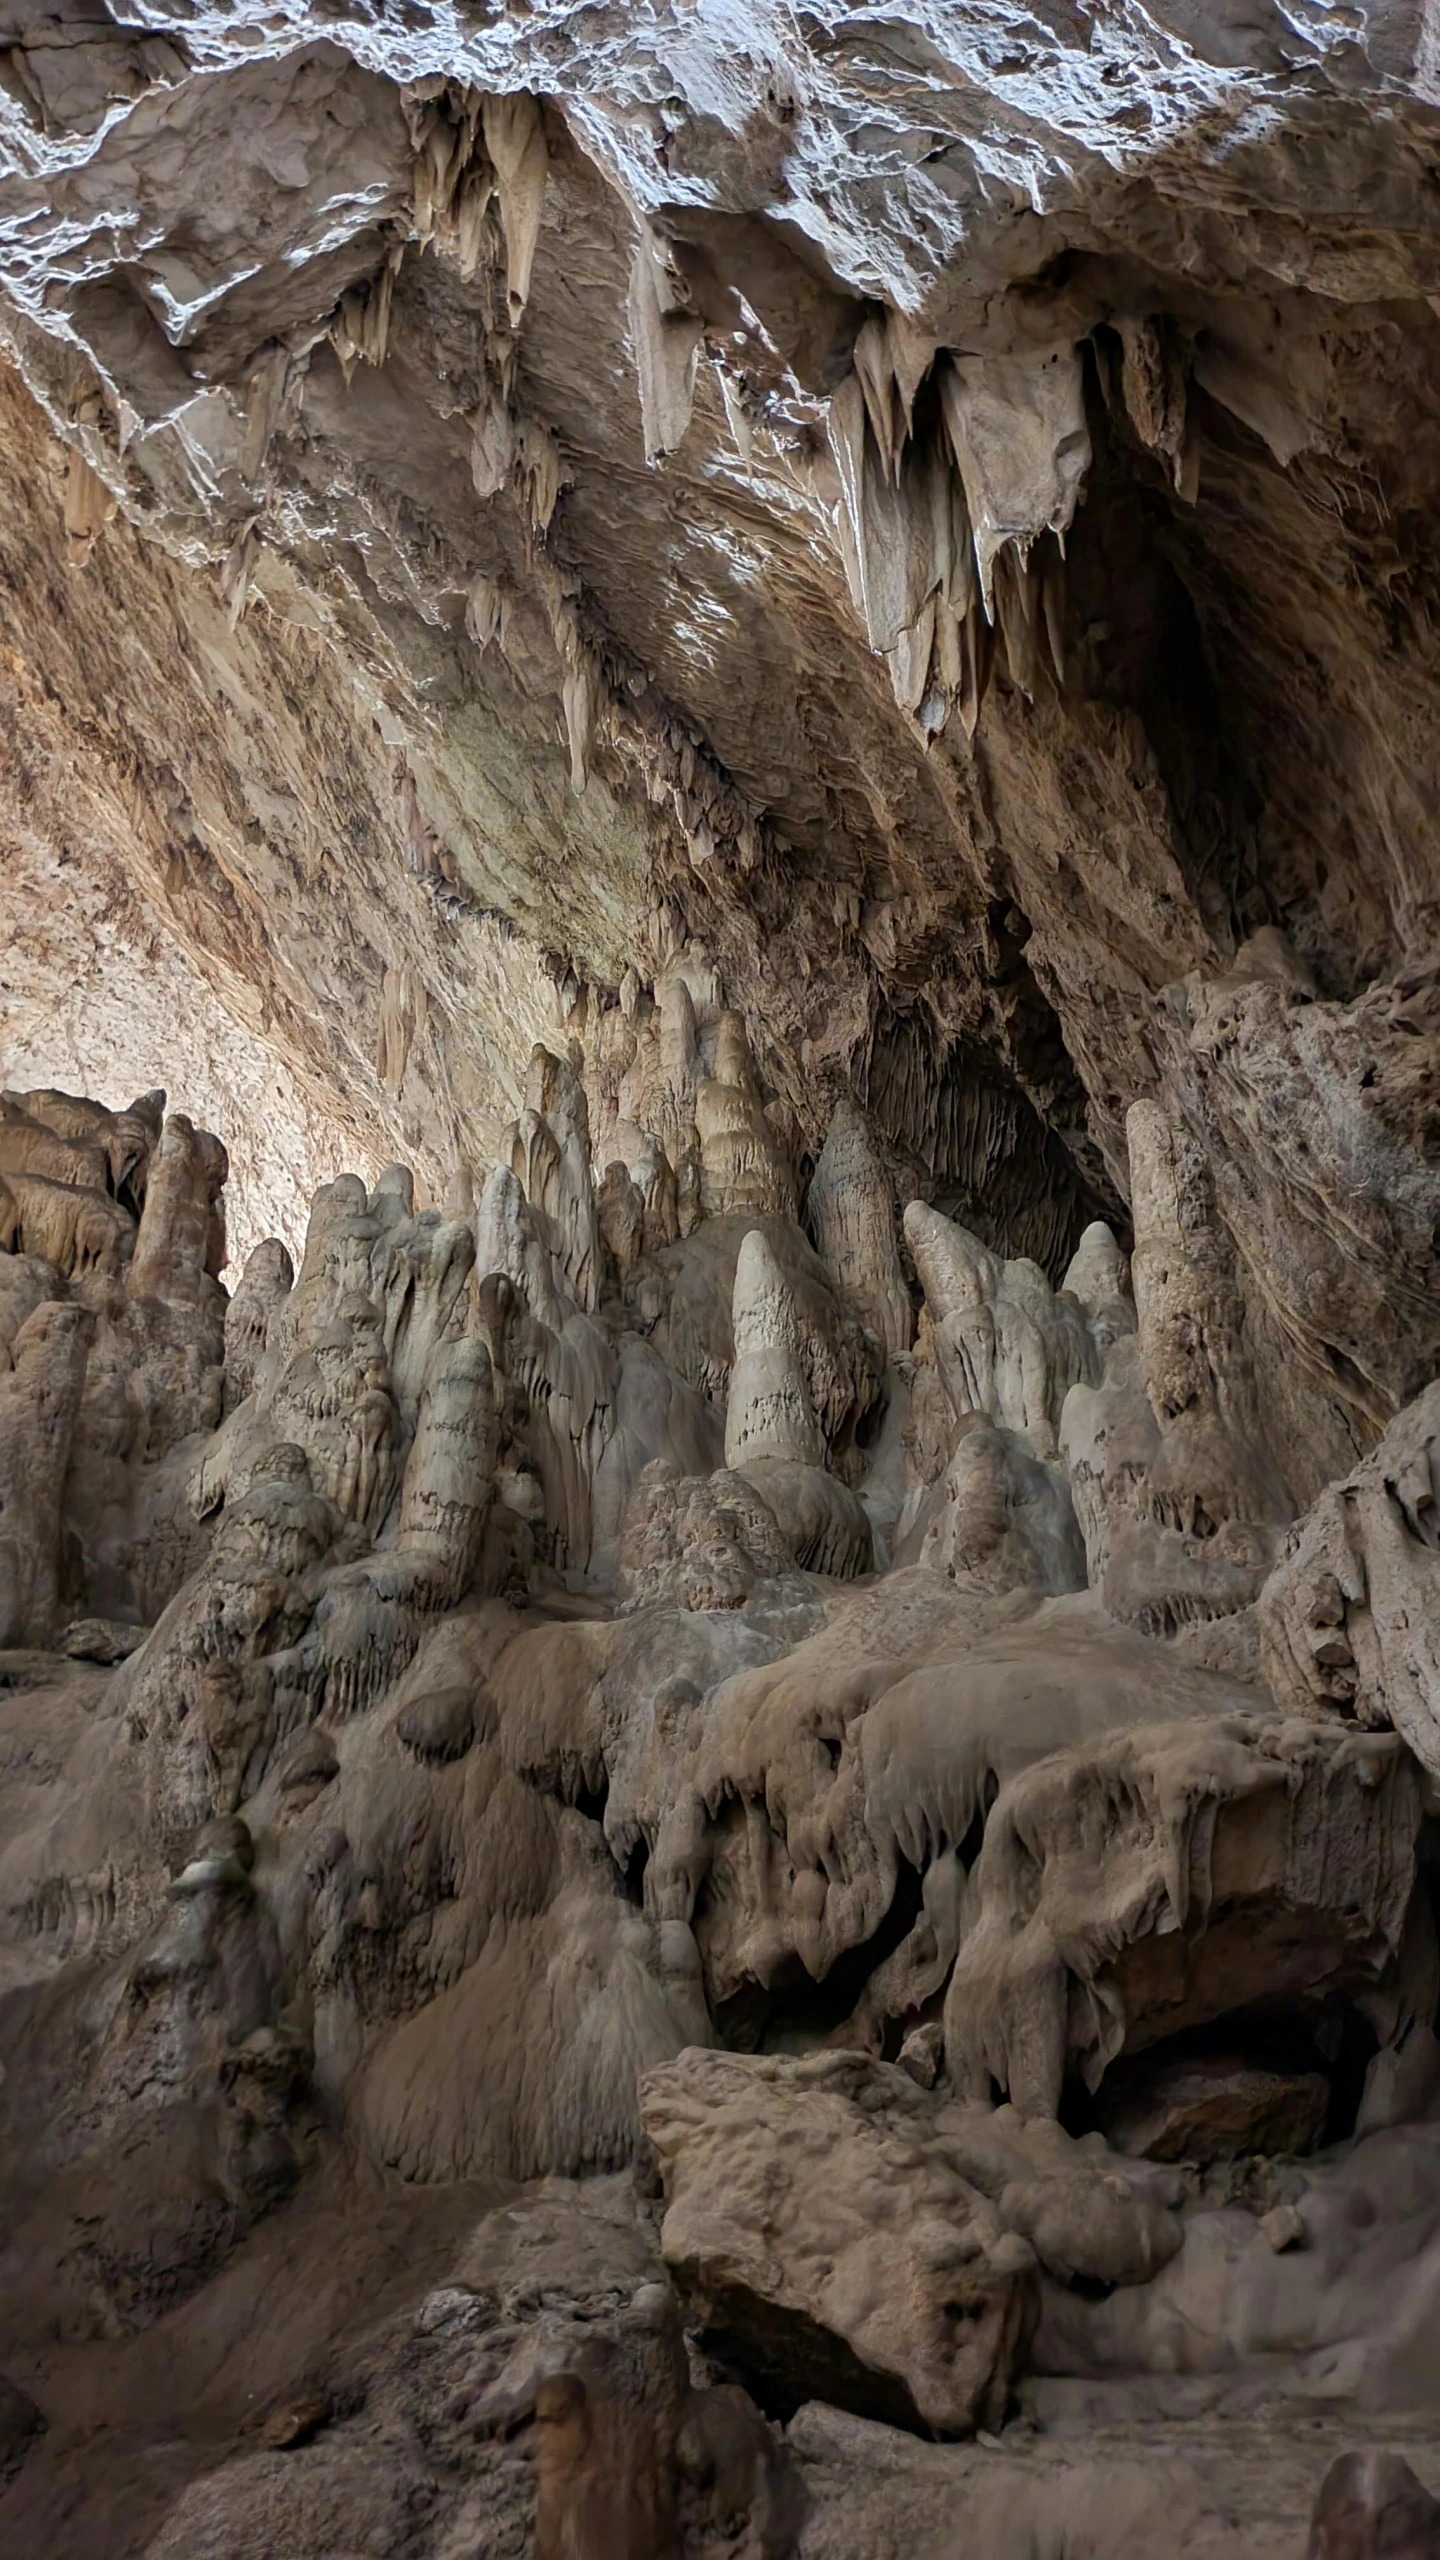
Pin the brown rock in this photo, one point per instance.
(310, 1762)
(1212, 2108)
(1177, 1868)
(821, 2249)
(296, 2422)
(21, 2422)
(440, 1727)
(104, 1640)
(1372, 2507)
(841, 2233)
(1282, 2228)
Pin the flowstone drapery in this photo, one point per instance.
(461, 1729)
(719, 1699)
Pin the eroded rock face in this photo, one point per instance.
(780, 2223)
(1092, 1933)
(430, 1753)
(793, 659)
(817, 688)
(1347, 1617)
(840, 2233)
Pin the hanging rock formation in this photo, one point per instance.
(458, 1743)
(718, 1593)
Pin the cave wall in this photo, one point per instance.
(719, 1279)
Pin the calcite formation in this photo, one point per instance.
(463, 1726)
(719, 1613)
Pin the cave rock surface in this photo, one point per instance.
(719, 1280)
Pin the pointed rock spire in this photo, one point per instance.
(769, 1413)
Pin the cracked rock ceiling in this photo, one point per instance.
(935, 504)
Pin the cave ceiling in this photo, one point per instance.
(426, 539)
(719, 1279)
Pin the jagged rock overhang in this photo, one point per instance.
(469, 526)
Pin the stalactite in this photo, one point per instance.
(666, 334)
(515, 140)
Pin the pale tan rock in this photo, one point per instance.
(28, 1146)
(1224, 1884)
(1283, 2228)
(771, 1434)
(267, 1279)
(742, 1166)
(104, 1640)
(1212, 1465)
(704, 1541)
(78, 1230)
(550, 1157)
(1348, 1618)
(832, 2250)
(39, 1407)
(180, 1248)
(832, 2221)
(1005, 1520)
(322, 854)
(768, 1414)
(851, 1209)
(515, 140)
(450, 1469)
(1017, 425)
(1006, 1345)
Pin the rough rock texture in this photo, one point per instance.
(1157, 1879)
(1373, 2502)
(429, 1763)
(1348, 1617)
(357, 446)
(845, 2235)
(718, 1690)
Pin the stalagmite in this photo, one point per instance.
(771, 1434)
(40, 1395)
(851, 1208)
(689, 1868)
(180, 1249)
(448, 1473)
(768, 1414)
(1006, 1344)
(1197, 1363)
(742, 1168)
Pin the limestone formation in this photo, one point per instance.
(1347, 1617)
(479, 1753)
(1214, 2107)
(704, 1541)
(802, 2244)
(842, 2233)
(851, 1209)
(1091, 1937)
(1373, 2503)
(772, 1437)
(1006, 1344)
(718, 1687)
(425, 1730)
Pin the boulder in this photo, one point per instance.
(841, 2232)
(1213, 2107)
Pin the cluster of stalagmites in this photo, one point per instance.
(672, 1659)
